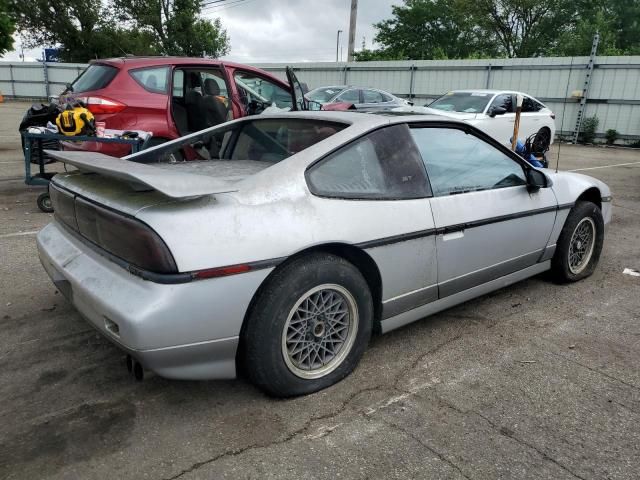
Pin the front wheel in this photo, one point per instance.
(309, 326)
(580, 243)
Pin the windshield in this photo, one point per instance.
(94, 77)
(466, 102)
(323, 95)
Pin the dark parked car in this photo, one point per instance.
(172, 96)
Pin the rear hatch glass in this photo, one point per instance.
(95, 77)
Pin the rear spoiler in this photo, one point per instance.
(174, 184)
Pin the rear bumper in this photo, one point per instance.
(183, 331)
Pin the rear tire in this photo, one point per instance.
(580, 243)
(309, 326)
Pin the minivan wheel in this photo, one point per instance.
(580, 243)
(309, 326)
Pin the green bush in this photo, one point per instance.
(588, 130)
(611, 135)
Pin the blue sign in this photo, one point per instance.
(51, 54)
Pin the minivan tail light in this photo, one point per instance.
(100, 105)
(553, 115)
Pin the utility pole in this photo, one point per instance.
(338, 45)
(352, 30)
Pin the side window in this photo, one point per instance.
(458, 162)
(530, 105)
(371, 96)
(505, 101)
(386, 98)
(178, 83)
(154, 79)
(214, 84)
(257, 93)
(351, 96)
(384, 164)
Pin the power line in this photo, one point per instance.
(225, 6)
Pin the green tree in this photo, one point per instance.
(617, 22)
(176, 27)
(428, 29)
(7, 27)
(84, 29)
(521, 28)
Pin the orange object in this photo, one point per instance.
(1, 98)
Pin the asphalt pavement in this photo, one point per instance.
(535, 381)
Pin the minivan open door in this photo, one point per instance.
(297, 92)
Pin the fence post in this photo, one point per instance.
(412, 68)
(346, 70)
(488, 85)
(46, 75)
(13, 83)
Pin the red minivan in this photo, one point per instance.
(173, 96)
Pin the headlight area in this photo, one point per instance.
(121, 236)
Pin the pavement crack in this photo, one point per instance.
(509, 434)
(413, 365)
(418, 440)
(303, 429)
(594, 370)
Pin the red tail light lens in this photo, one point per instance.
(124, 237)
(101, 105)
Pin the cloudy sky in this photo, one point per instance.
(295, 30)
(287, 30)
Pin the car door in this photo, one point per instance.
(488, 222)
(350, 95)
(499, 126)
(371, 100)
(373, 193)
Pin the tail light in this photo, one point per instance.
(553, 115)
(124, 237)
(101, 105)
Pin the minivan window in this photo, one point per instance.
(95, 77)
(153, 79)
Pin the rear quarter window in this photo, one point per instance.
(383, 165)
(95, 77)
(152, 79)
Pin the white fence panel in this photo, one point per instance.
(614, 96)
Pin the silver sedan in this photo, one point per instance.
(301, 234)
(362, 98)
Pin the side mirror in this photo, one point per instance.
(536, 179)
(497, 111)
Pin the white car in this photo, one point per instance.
(493, 111)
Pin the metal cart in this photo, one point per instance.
(35, 140)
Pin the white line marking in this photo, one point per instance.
(15, 161)
(605, 166)
(631, 271)
(18, 234)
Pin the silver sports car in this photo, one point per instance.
(302, 233)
